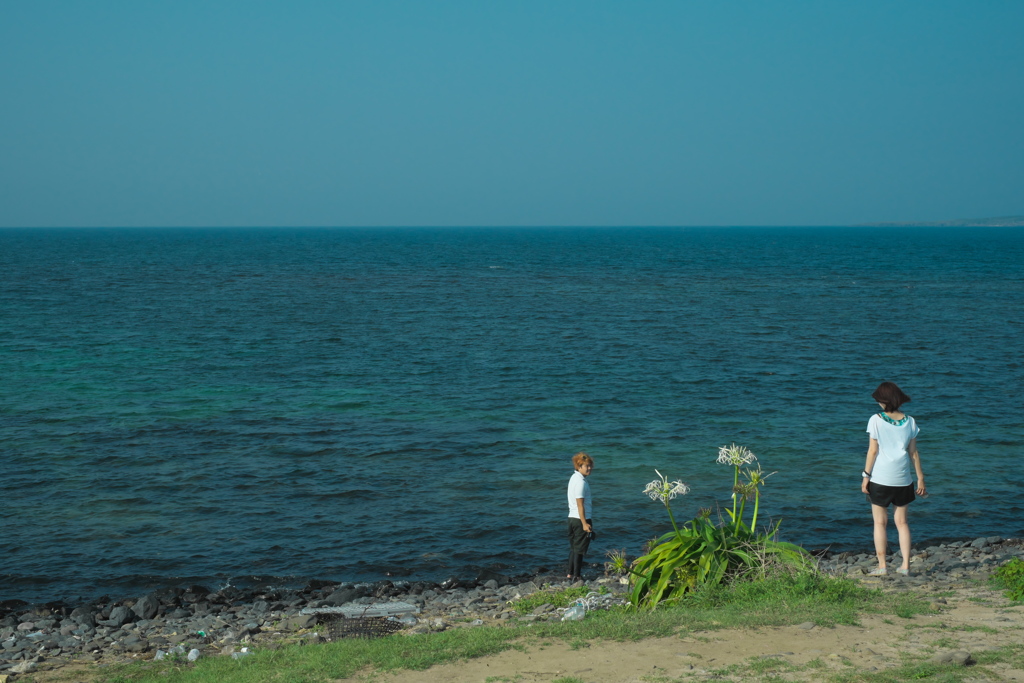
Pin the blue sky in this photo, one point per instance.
(509, 113)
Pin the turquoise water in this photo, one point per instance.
(248, 404)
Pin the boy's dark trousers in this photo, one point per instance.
(579, 543)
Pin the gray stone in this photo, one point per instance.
(528, 588)
(146, 607)
(23, 668)
(119, 616)
(342, 596)
(140, 646)
(807, 625)
(955, 657)
(300, 622)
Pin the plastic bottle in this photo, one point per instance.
(574, 613)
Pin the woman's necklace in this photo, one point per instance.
(898, 423)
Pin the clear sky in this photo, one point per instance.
(372, 113)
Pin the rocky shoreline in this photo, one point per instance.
(191, 622)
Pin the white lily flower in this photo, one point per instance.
(734, 455)
(664, 490)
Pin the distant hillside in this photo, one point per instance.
(1001, 222)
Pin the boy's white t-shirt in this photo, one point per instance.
(892, 466)
(579, 487)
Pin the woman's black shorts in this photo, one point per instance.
(883, 496)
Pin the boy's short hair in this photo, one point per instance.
(890, 396)
(581, 459)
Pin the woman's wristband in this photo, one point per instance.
(866, 474)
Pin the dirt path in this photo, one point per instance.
(974, 620)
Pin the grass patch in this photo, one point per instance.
(913, 671)
(328, 661)
(556, 598)
(768, 668)
(1008, 654)
(947, 643)
(777, 601)
(1010, 578)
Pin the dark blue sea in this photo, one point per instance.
(247, 405)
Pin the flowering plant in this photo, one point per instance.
(701, 551)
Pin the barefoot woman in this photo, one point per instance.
(892, 447)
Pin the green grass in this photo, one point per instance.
(912, 671)
(778, 601)
(757, 666)
(1010, 578)
(555, 598)
(1009, 654)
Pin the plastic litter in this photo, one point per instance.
(575, 613)
(160, 654)
(408, 620)
(243, 653)
(193, 655)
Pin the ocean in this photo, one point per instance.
(272, 405)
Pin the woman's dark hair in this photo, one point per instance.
(890, 396)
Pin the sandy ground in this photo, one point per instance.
(878, 643)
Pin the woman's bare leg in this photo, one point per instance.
(881, 517)
(899, 516)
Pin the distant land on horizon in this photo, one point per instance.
(1000, 222)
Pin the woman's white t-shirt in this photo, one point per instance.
(892, 466)
(579, 487)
